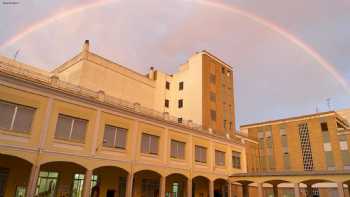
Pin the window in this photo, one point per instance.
(149, 144)
(179, 120)
(181, 85)
(324, 126)
(305, 147)
(15, 117)
(236, 159)
(224, 124)
(167, 85)
(212, 96)
(78, 182)
(70, 128)
(230, 125)
(94, 179)
(222, 70)
(200, 154)
(115, 137)
(166, 103)
(219, 158)
(212, 78)
(177, 149)
(180, 103)
(46, 184)
(343, 145)
(327, 146)
(213, 115)
(286, 160)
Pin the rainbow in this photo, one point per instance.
(233, 9)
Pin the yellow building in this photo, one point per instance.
(309, 152)
(92, 126)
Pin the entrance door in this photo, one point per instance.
(110, 193)
(3, 178)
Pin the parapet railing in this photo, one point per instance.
(55, 82)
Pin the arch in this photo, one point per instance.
(147, 171)
(62, 159)
(200, 177)
(28, 157)
(123, 168)
(276, 181)
(315, 181)
(19, 157)
(177, 173)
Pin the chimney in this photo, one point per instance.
(86, 46)
(152, 74)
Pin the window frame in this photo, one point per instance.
(116, 130)
(203, 150)
(180, 103)
(181, 85)
(14, 117)
(218, 155)
(73, 119)
(177, 155)
(149, 143)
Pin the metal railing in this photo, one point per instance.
(53, 81)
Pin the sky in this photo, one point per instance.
(274, 46)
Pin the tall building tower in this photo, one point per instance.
(201, 92)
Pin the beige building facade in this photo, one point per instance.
(298, 156)
(92, 127)
(83, 130)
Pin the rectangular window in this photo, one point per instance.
(115, 137)
(177, 149)
(222, 70)
(212, 78)
(306, 147)
(179, 120)
(219, 158)
(224, 124)
(15, 117)
(166, 103)
(213, 115)
(212, 96)
(180, 103)
(181, 85)
(344, 151)
(78, 182)
(46, 185)
(167, 85)
(200, 154)
(70, 128)
(286, 160)
(236, 159)
(324, 126)
(230, 125)
(149, 144)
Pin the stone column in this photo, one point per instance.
(340, 189)
(349, 189)
(87, 183)
(260, 189)
(33, 178)
(211, 188)
(309, 190)
(162, 186)
(275, 190)
(296, 190)
(129, 184)
(245, 190)
(229, 189)
(189, 187)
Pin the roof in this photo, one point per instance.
(290, 119)
(216, 58)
